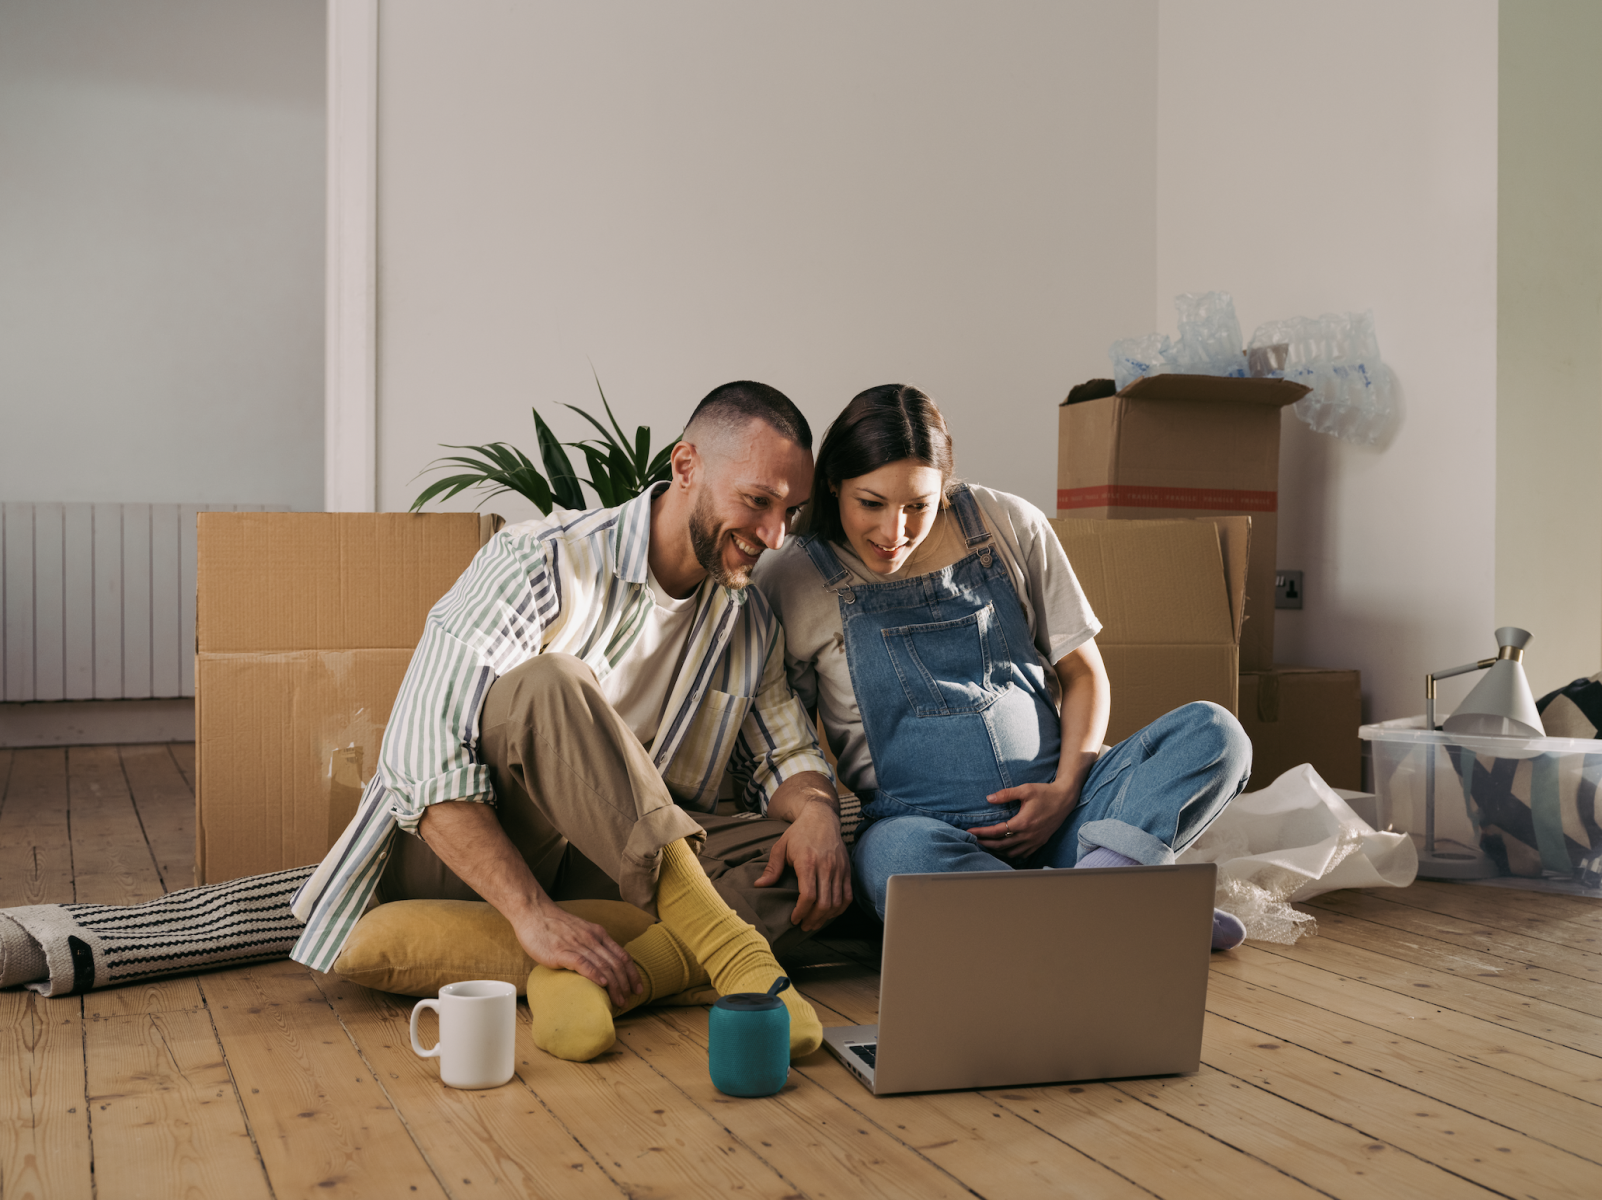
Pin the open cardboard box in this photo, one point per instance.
(1171, 597)
(305, 623)
(1183, 445)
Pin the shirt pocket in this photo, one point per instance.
(950, 667)
(696, 768)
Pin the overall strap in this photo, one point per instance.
(966, 509)
(824, 559)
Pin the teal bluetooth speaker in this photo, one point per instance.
(748, 1050)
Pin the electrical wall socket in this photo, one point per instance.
(1287, 589)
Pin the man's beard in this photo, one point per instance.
(708, 546)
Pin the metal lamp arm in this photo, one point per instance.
(1429, 686)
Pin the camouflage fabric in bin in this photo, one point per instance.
(1541, 815)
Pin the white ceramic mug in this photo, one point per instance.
(477, 1033)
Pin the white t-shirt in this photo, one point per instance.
(639, 684)
(1054, 605)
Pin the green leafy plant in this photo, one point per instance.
(619, 469)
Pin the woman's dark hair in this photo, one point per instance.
(882, 425)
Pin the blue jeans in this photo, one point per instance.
(1147, 798)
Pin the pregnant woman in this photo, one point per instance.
(939, 631)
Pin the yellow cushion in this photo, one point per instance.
(416, 947)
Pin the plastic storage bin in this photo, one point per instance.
(1532, 804)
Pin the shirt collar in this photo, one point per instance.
(633, 543)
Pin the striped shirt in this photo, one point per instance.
(571, 583)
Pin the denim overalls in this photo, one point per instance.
(956, 705)
(954, 698)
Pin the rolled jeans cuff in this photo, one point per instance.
(641, 859)
(1128, 840)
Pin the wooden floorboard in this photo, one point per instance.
(1440, 1041)
(1522, 1055)
(165, 802)
(111, 861)
(505, 1139)
(35, 832)
(646, 1134)
(1533, 914)
(183, 756)
(44, 1112)
(1471, 997)
(1457, 1141)
(6, 755)
(1541, 1112)
(804, 1133)
(1464, 934)
(321, 1122)
(160, 1095)
(1319, 1151)
(1486, 969)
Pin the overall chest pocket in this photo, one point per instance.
(950, 667)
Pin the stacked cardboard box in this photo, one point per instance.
(1183, 446)
(305, 623)
(1198, 444)
(1171, 599)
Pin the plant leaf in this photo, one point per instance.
(621, 470)
(606, 434)
(622, 438)
(564, 482)
(500, 467)
(642, 449)
(600, 479)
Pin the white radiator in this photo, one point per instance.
(97, 601)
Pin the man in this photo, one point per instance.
(565, 725)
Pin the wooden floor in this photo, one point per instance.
(1442, 1041)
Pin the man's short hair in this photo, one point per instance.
(732, 405)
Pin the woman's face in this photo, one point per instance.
(888, 512)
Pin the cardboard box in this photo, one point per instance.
(305, 624)
(1184, 445)
(1298, 715)
(1171, 599)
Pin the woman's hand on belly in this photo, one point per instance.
(1042, 808)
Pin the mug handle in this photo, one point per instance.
(416, 1045)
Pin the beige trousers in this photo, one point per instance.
(582, 802)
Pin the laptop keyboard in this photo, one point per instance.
(866, 1051)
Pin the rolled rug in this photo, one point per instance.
(88, 946)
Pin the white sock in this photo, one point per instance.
(1228, 932)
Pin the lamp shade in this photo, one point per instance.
(1501, 704)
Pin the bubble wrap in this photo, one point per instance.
(1294, 840)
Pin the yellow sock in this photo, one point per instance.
(572, 1017)
(734, 954)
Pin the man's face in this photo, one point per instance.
(749, 490)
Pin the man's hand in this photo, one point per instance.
(813, 847)
(554, 937)
(1043, 807)
(468, 839)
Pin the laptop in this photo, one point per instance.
(1011, 978)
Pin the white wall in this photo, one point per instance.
(823, 197)
(1549, 336)
(161, 231)
(1333, 157)
(978, 200)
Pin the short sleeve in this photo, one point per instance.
(1059, 613)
